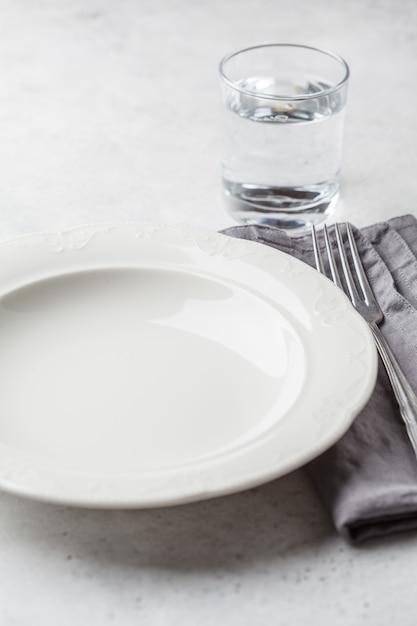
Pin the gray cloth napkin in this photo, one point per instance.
(368, 479)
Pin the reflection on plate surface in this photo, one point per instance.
(149, 365)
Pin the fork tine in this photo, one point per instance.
(332, 261)
(316, 249)
(362, 278)
(353, 292)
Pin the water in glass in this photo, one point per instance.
(282, 157)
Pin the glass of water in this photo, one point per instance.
(284, 110)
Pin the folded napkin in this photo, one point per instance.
(368, 479)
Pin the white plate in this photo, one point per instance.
(147, 365)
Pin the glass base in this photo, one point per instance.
(293, 209)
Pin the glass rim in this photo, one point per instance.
(265, 96)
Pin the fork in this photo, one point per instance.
(364, 301)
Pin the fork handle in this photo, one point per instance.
(406, 398)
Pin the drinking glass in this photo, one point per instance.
(284, 108)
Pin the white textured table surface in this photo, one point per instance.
(109, 111)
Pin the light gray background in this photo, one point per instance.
(110, 111)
